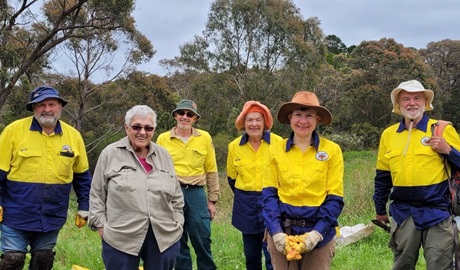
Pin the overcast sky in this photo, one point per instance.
(414, 23)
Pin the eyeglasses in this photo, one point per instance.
(182, 113)
(139, 128)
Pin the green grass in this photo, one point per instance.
(83, 247)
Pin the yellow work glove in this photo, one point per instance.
(293, 247)
(309, 241)
(279, 239)
(81, 218)
(1, 214)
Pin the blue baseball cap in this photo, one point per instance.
(41, 93)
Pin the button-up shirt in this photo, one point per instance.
(125, 199)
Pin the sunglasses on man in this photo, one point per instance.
(182, 113)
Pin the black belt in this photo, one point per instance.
(189, 186)
(295, 222)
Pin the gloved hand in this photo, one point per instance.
(1, 214)
(309, 241)
(279, 239)
(81, 218)
(293, 247)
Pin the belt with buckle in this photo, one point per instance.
(184, 186)
(295, 222)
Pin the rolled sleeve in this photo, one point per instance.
(212, 181)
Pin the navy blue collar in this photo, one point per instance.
(35, 126)
(422, 125)
(265, 137)
(315, 140)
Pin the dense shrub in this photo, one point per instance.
(221, 141)
(348, 142)
(368, 134)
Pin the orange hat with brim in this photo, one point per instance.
(254, 106)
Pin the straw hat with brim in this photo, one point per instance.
(304, 99)
(412, 86)
(186, 104)
(41, 93)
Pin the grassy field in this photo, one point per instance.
(83, 247)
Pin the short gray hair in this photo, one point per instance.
(141, 110)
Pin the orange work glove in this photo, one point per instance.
(1, 214)
(81, 218)
(309, 241)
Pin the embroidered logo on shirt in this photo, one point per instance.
(322, 156)
(424, 140)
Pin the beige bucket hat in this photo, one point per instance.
(411, 86)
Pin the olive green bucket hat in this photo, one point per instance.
(186, 104)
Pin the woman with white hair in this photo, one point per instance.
(136, 203)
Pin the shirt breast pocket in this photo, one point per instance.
(65, 167)
(164, 181)
(240, 162)
(395, 161)
(199, 157)
(316, 180)
(287, 177)
(124, 178)
(427, 161)
(29, 161)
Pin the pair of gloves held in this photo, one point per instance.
(293, 246)
(80, 219)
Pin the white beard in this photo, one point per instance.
(413, 115)
(47, 121)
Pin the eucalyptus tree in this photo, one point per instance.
(254, 49)
(377, 68)
(444, 58)
(92, 58)
(31, 29)
(335, 45)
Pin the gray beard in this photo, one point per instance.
(47, 121)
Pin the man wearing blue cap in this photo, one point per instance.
(43, 158)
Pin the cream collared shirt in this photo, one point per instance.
(125, 200)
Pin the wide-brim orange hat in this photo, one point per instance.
(254, 106)
(411, 86)
(304, 99)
